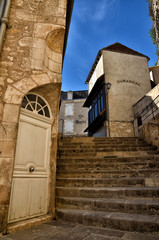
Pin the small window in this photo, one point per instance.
(96, 110)
(139, 121)
(102, 103)
(36, 104)
(68, 126)
(68, 109)
(69, 95)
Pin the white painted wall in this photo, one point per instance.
(98, 71)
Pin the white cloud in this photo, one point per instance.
(94, 10)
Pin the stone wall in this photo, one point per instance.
(146, 108)
(121, 129)
(150, 131)
(31, 60)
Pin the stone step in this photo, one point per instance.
(116, 220)
(100, 182)
(107, 154)
(102, 144)
(108, 149)
(108, 182)
(108, 192)
(98, 139)
(138, 206)
(106, 159)
(108, 166)
(140, 173)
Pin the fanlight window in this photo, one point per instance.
(35, 104)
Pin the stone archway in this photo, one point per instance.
(43, 86)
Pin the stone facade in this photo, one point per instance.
(73, 117)
(128, 73)
(31, 60)
(118, 129)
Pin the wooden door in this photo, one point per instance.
(29, 194)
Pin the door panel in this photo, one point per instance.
(29, 194)
(37, 205)
(19, 203)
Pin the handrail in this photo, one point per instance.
(146, 107)
(150, 123)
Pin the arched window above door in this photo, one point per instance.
(34, 103)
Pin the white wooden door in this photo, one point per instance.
(29, 194)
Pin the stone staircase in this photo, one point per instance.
(108, 182)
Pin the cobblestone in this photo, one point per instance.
(58, 230)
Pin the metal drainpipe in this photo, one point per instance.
(107, 108)
(2, 3)
(4, 21)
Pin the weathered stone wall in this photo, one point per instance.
(31, 60)
(121, 129)
(130, 80)
(146, 108)
(150, 131)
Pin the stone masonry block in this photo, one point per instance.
(41, 79)
(3, 217)
(5, 179)
(37, 53)
(37, 64)
(8, 131)
(25, 85)
(26, 42)
(41, 30)
(46, 61)
(62, 3)
(54, 77)
(48, 52)
(56, 57)
(55, 67)
(39, 43)
(7, 149)
(12, 95)
(11, 113)
(21, 15)
(61, 21)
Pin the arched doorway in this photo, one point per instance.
(30, 193)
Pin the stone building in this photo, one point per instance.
(118, 78)
(73, 117)
(30, 81)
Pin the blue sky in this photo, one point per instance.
(98, 23)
